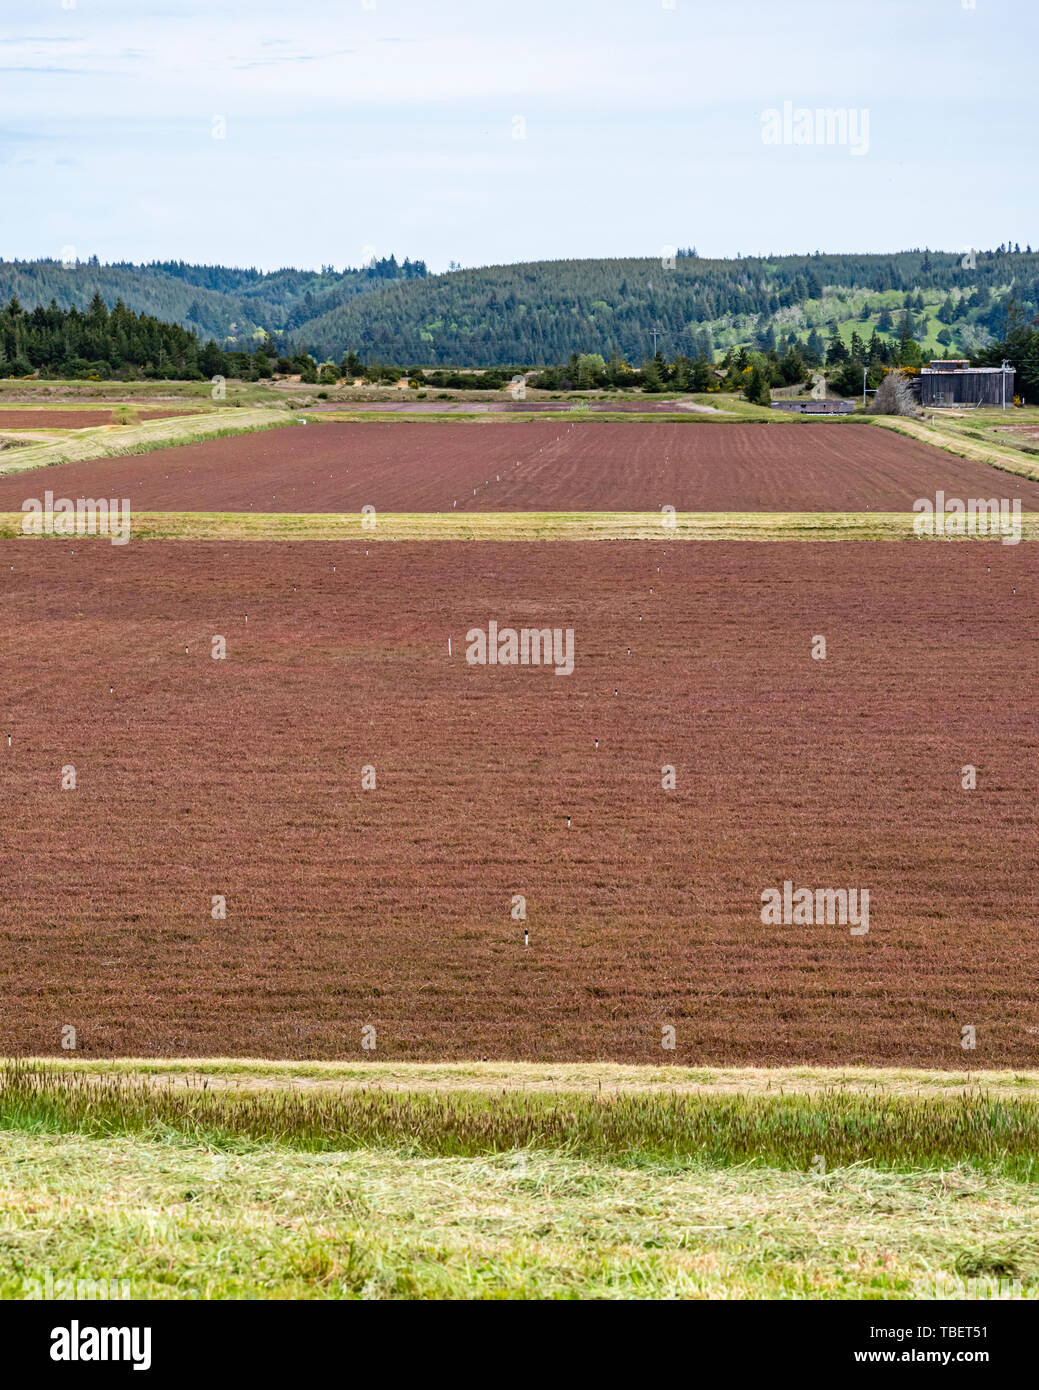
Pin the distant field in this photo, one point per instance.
(392, 907)
(73, 419)
(408, 405)
(539, 466)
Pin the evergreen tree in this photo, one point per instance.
(651, 380)
(702, 378)
(836, 352)
(757, 389)
(792, 370)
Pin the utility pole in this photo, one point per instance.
(1006, 364)
(654, 332)
(864, 371)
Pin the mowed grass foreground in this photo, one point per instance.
(204, 1191)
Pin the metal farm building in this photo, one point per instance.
(956, 382)
(813, 407)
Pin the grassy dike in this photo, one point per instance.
(523, 526)
(809, 1186)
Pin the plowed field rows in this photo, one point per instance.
(537, 466)
(391, 907)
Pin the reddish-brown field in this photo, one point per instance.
(392, 907)
(537, 466)
(73, 419)
(410, 406)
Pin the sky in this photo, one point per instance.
(256, 132)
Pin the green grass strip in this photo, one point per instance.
(835, 1129)
(523, 526)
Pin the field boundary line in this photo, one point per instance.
(524, 526)
(557, 1077)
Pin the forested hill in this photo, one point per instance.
(235, 307)
(541, 313)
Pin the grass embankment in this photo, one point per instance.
(966, 441)
(998, 1135)
(19, 391)
(352, 1192)
(607, 1078)
(524, 526)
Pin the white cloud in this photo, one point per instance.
(643, 125)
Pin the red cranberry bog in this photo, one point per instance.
(42, 418)
(661, 848)
(543, 467)
(368, 805)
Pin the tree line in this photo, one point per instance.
(121, 343)
(541, 313)
(98, 342)
(235, 307)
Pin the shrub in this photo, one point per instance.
(894, 397)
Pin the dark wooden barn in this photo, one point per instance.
(956, 382)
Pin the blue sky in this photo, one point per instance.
(353, 126)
